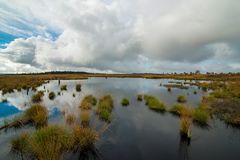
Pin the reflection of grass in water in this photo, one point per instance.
(70, 119)
(154, 104)
(87, 102)
(185, 126)
(20, 145)
(125, 102)
(105, 107)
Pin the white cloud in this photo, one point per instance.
(121, 35)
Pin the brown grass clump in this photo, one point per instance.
(87, 102)
(37, 114)
(36, 98)
(84, 138)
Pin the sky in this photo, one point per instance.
(119, 36)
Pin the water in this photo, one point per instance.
(135, 131)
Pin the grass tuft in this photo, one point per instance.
(105, 107)
(140, 97)
(87, 102)
(51, 95)
(200, 116)
(36, 98)
(154, 104)
(37, 114)
(125, 102)
(78, 87)
(181, 99)
(63, 88)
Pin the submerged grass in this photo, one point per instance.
(87, 102)
(154, 104)
(125, 102)
(105, 107)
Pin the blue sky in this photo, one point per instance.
(120, 35)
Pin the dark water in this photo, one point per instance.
(135, 131)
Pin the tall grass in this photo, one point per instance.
(105, 107)
(87, 102)
(84, 138)
(50, 143)
(154, 104)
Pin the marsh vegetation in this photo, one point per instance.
(74, 133)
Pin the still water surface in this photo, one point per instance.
(135, 131)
